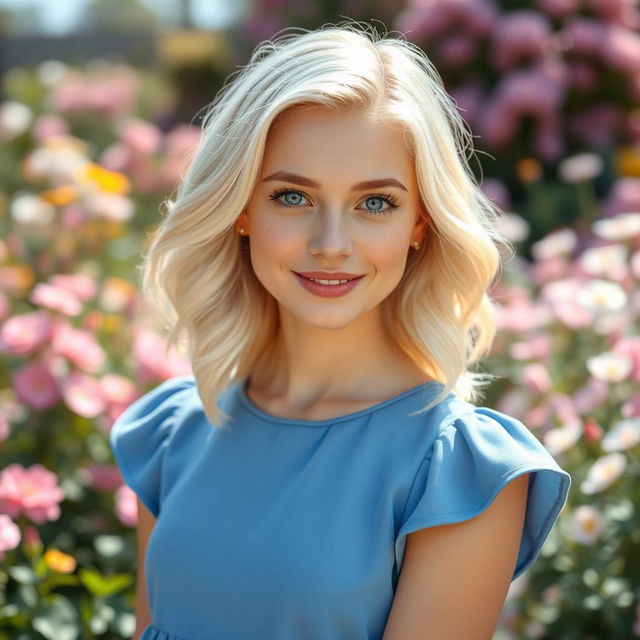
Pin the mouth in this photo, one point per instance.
(329, 281)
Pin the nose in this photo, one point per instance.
(330, 237)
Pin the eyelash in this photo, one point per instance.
(392, 201)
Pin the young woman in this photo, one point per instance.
(323, 474)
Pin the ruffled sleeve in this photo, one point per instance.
(141, 435)
(473, 457)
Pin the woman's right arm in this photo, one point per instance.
(146, 522)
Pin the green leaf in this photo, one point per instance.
(57, 619)
(23, 575)
(102, 586)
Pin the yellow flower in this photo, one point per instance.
(105, 180)
(628, 160)
(60, 196)
(60, 562)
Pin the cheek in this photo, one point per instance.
(389, 253)
(273, 243)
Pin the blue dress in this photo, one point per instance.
(285, 529)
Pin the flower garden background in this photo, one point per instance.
(88, 154)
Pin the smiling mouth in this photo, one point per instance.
(328, 281)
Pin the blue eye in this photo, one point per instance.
(379, 202)
(292, 198)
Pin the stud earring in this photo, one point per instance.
(241, 230)
(415, 244)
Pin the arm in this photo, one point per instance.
(146, 522)
(455, 578)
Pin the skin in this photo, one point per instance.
(332, 351)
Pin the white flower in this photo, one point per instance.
(604, 472)
(110, 206)
(27, 208)
(15, 119)
(514, 227)
(610, 367)
(608, 261)
(562, 438)
(581, 167)
(623, 435)
(600, 295)
(51, 72)
(608, 322)
(560, 242)
(619, 227)
(586, 525)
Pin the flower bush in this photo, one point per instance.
(78, 345)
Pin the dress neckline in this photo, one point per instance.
(429, 388)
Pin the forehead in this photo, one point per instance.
(320, 138)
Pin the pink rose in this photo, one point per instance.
(33, 491)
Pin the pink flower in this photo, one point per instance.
(629, 346)
(9, 535)
(623, 12)
(621, 49)
(84, 287)
(126, 508)
(631, 408)
(152, 361)
(457, 49)
(73, 216)
(56, 298)
(583, 35)
(83, 394)
(561, 296)
(35, 385)
(25, 333)
(117, 389)
(624, 196)
(535, 347)
(536, 377)
(520, 34)
(104, 477)
(140, 136)
(590, 396)
(80, 347)
(33, 491)
(49, 125)
(563, 408)
(548, 270)
(592, 431)
(523, 317)
(558, 8)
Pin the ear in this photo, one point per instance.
(242, 221)
(421, 224)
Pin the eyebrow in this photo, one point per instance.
(307, 182)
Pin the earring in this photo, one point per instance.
(241, 230)
(415, 244)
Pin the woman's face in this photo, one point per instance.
(311, 211)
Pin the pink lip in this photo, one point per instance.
(328, 290)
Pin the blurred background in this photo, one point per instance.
(100, 107)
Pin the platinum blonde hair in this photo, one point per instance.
(199, 279)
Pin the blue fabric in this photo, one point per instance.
(288, 529)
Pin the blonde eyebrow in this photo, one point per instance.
(284, 176)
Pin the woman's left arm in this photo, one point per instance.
(455, 578)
